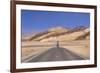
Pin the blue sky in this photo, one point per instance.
(36, 21)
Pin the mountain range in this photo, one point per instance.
(60, 34)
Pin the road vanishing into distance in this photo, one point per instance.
(55, 54)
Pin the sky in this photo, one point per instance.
(37, 21)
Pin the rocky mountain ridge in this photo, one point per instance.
(60, 34)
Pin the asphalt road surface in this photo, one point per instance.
(56, 54)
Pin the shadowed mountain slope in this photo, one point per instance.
(60, 34)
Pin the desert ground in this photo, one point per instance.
(80, 47)
(77, 41)
(34, 48)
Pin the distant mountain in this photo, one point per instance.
(86, 35)
(78, 28)
(52, 32)
(60, 34)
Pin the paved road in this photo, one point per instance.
(56, 54)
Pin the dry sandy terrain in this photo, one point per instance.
(80, 47)
(76, 41)
(34, 48)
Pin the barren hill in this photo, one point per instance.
(60, 34)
